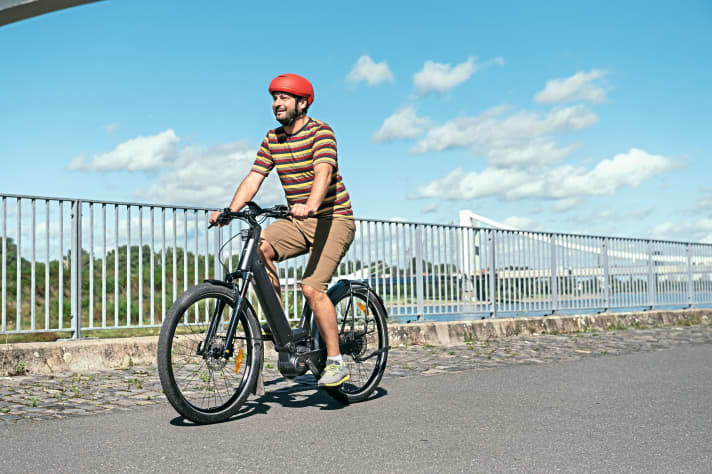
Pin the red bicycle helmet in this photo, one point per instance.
(292, 84)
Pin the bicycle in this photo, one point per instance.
(196, 360)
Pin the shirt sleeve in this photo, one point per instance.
(324, 148)
(264, 162)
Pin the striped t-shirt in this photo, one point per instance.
(295, 156)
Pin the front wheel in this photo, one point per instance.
(199, 381)
(363, 341)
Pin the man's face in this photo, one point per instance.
(284, 107)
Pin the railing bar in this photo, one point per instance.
(229, 263)
(32, 265)
(163, 264)
(517, 265)
(436, 244)
(140, 266)
(91, 264)
(452, 268)
(152, 266)
(61, 266)
(116, 265)
(375, 248)
(128, 265)
(4, 264)
(416, 286)
(207, 268)
(186, 318)
(18, 309)
(392, 267)
(103, 266)
(524, 270)
(398, 267)
(175, 255)
(459, 268)
(427, 254)
(196, 264)
(47, 256)
(360, 228)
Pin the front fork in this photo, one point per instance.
(216, 320)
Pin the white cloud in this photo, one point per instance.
(138, 154)
(577, 87)
(522, 137)
(403, 124)
(566, 204)
(704, 203)
(536, 151)
(371, 72)
(210, 176)
(699, 230)
(560, 183)
(430, 208)
(441, 78)
(521, 223)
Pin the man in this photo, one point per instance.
(303, 150)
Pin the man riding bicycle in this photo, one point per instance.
(303, 150)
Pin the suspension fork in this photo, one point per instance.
(234, 318)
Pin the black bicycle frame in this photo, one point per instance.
(251, 269)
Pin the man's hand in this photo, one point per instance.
(213, 219)
(302, 211)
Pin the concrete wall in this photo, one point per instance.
(99, 354)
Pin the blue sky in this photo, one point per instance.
(547, 116)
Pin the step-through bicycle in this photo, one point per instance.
(211, 345)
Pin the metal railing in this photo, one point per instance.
(72, 265)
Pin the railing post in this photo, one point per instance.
(76, 265)
(606, 275)
(419, 271)
(651, 276)
(493, 274)
(218, 244)
(690, 298)
(554, 280)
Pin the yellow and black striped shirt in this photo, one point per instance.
(295, 156)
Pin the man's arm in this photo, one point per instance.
(245, 192)
(322, 179)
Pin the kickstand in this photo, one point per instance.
(259, 389)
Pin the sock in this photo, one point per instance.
(335, 359)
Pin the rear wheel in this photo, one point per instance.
(363, 341)
(207, 387)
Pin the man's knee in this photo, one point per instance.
(312, 293)
(267, 251)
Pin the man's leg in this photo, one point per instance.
(325, 315)
(269, 256)
(332, 238)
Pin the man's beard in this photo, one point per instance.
(289, 119)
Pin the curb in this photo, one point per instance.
(47, 358)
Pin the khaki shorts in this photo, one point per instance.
(326, 239)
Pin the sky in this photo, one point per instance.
(550, 116)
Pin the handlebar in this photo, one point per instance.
(251, 212)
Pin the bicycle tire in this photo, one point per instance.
(363, 331)
(202, 389)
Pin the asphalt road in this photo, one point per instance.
(642, 412)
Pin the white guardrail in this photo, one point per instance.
(72, 265)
